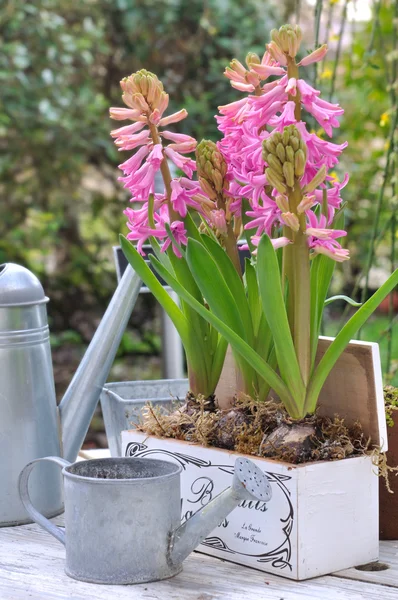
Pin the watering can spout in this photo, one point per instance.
(80, 400)
(249, 482)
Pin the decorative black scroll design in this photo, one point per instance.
(133, 448)
(140, 450)
(280, 557)
(217, 544)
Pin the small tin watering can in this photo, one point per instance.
(31, 425)
(122, 516)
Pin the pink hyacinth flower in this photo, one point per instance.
(179, 232)
(276, 243)
(182, 162)
(316, 56)
(318, 228)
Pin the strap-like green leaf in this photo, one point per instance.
(197, 350)
(139, 265)
(192, 230)
(253, 295)
(218, 359)
(322, 269)
(199, 326)
(275, 312)
(224, 292)
(213, 286)
(245, 220)
(343, 338)
(236, 342)
(233, 281)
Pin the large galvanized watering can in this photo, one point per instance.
(31, 425)
(122, 516)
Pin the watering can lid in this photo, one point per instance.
(19, 287)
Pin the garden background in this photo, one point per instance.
(60, 202)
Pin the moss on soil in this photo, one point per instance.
(259, 429)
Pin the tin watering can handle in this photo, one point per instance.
(23, 484)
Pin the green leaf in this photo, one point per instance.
(197, 352)
(213, 286)
(192, 230)
(322, 269)
(253, 295)
(342, 297)
(218, 359)
(139, 265)
(236, 342)
(174, 242)
(245, 220)
(275, 312)
(233, 281)
(343, 338)
(223, 290)
(200, 327)
(161, 256)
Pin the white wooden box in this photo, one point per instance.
(323, 516)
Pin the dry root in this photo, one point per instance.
(379, 460)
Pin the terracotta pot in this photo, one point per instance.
(384, 306)
(389, 502)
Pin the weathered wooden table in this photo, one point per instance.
(32, 568)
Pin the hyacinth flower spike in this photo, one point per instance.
(162, 219)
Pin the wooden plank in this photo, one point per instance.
(388, 556)
(32, 562)
(354, 389)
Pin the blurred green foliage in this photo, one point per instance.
(367, 89)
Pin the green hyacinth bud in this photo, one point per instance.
(288, 171)
(269, 146)
(275, 180)
(142, 90)
(299, 163)
(288, 39)
(316, 181)
(285, 136)
(285, 155)
(252, 59)
(289, 154)
(211, 165)
(275, 36)
(275, 163)
(280, 152)
(294, 142)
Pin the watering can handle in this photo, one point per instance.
(23, 484)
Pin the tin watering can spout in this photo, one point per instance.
(249, 483)
(80, 400)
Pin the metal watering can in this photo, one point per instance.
(31, 425)
(122, 516)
